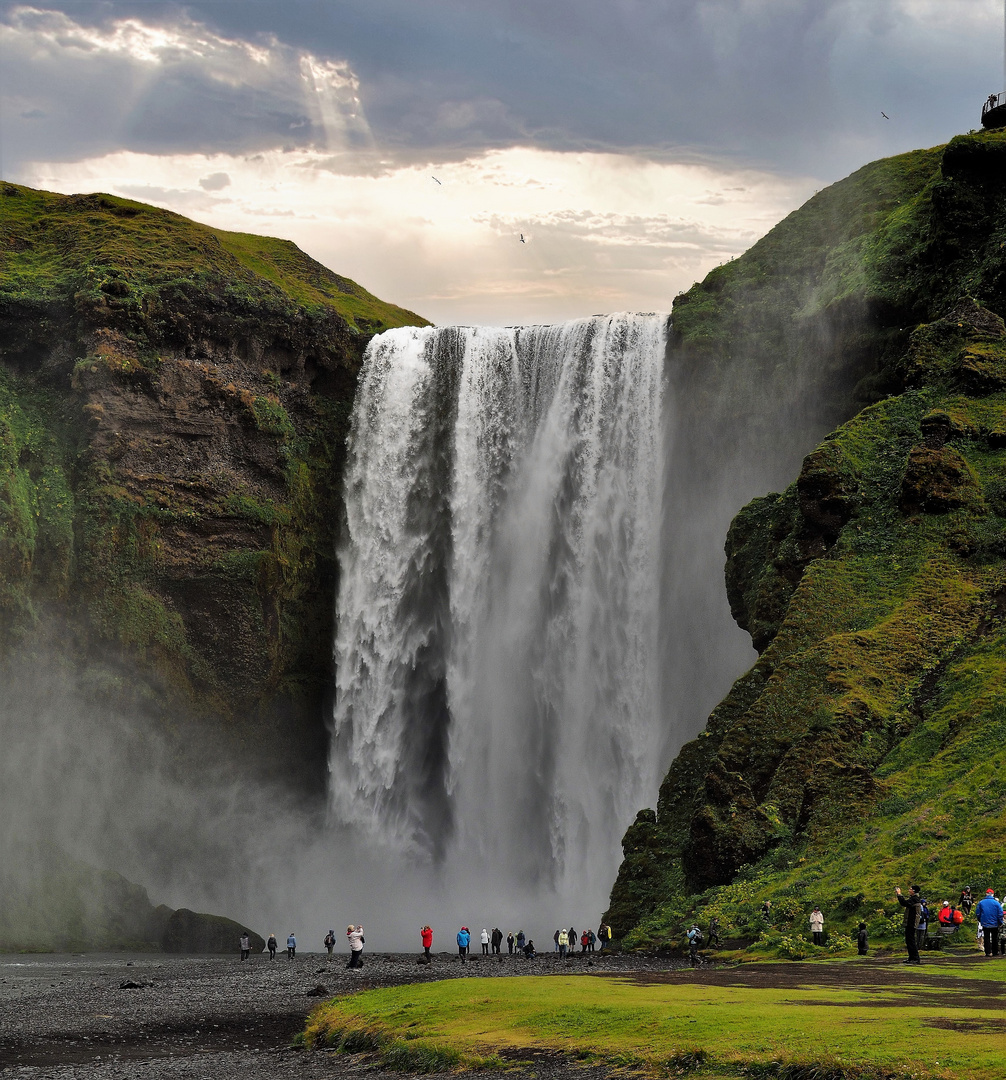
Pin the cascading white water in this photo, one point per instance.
(497, 640)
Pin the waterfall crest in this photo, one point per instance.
(497, 640)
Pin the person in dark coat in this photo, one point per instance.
(509, 942)
(496, 939)
(913, 906)
(862, 941)
(271, 946)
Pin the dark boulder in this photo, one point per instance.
(192, 932)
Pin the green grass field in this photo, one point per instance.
(825, 1021)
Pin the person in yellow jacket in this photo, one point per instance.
(563, 943)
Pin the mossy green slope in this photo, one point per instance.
(866, 746)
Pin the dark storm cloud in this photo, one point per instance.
(795, 84)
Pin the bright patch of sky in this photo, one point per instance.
(634, 144)
(601, 231)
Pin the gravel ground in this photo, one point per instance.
(214, 1018)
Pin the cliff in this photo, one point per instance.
(174, 401)
(864, 748)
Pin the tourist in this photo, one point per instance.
(563, 944)
(427, 935)
(497, 940)
(485, 941)
(509, 942)
(591, 939)
(694, 936)
(989, 913)
(911, 904)
(571, 940)
(714, 932)
(766, 911)
(245, 945)
(271, 945)
(945, 915)
(464, 936)
(555, 938)
(965, 901)
(920, 933)
(584, 941)
(354, 935)
(529, 950)
(604, 936)
(329, 942)
(862, 941)
(521, 939)
(291, 946)
(817, 925)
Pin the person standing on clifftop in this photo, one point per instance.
(912, 905)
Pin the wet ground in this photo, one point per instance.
(63, 1017)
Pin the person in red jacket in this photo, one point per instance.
(427, 935)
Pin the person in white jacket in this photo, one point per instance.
(485, 941)
(354, 935)
(817, 925)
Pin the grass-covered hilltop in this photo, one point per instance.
(867, 746)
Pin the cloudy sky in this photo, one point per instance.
(409, 143)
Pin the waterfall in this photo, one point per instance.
(497, 640)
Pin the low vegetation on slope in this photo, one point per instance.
(865, 748)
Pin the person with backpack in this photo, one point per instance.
(920, 933)
(520, 940)
(695, 939)
(329, 943)
(911, 904)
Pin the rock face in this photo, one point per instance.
(174, 402)
(190, 932)
(863, 748)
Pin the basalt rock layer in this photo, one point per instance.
(864, 747)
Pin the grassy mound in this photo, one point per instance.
(826, 1022)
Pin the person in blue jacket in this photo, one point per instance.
(464, 936)
(990, 918)
(291, 946)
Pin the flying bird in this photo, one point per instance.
(884, 115)
(522, 238)
(436, 181)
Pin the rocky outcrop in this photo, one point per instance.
(191, 932)
(872, 586)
